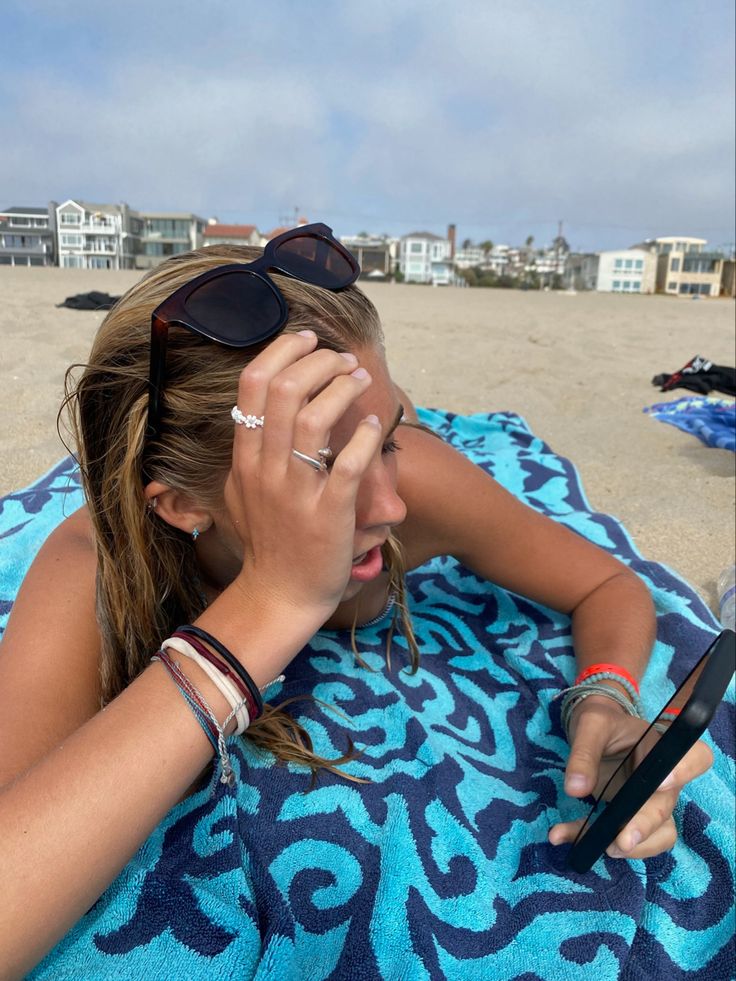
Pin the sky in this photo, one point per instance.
(500, 116)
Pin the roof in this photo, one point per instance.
(229, 231)
(429, 235)
(170, 214)
(25, 211)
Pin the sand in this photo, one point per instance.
(577, 367)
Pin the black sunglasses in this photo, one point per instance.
(239, 305)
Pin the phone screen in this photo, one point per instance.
(638, 772)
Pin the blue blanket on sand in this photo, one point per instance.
(440, 867)
(713, 421)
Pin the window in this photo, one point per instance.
(675, 265)
(70, 241)
(629, 264)
(672, 287)
(706, 289)
(639, 264)
(618, 264)
(627, 284)
(71, 218)
(698, 264)
(416, 247)
(416, 267)
(636, 285)
(71, 261)
(617, 284)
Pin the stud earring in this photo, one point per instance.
(195, 533)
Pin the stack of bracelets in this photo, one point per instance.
(592, 681)
(229, 677)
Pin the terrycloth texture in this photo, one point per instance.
(713, 421)
(438, 868)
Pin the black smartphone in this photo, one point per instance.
(656, 754)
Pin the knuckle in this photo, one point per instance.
(284, 386)
(309, 423)
(253, 376)
(346, 468)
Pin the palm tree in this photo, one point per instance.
(529, 241)
(487, 246)
(467, 244)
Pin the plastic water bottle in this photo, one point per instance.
(727, 597)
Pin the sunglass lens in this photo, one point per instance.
(315, 261)
(237, 308)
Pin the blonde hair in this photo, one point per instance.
(147, 578)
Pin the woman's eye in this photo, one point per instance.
(391, 446)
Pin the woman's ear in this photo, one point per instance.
(176, 509)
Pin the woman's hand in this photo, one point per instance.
(296, 525)
(601, 735)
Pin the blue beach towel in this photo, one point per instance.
(713, 421)
(439, 867)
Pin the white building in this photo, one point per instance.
(626, 271)
(168, 233)
(28, 237)
(684, 268)
(426, 258)
(98, 236)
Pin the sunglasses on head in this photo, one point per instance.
(239, 305)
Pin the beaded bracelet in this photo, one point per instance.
(232, 695)
(631, 687)
(229, 659)
(620, 674)
(202, 712)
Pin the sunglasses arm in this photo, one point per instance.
(159, 338)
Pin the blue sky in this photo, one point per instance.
(502, 116)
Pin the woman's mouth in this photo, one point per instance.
(367, 565)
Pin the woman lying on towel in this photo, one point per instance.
(253, 476)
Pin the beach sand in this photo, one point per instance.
(578, 368)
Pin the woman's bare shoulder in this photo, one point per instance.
(49, 659)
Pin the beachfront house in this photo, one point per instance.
(427, 258)
(168, 233)
(626, 271)
(374, 254)
(684, 268)
(98, 236)
(581, 271)
(217, 233)
(27, 236)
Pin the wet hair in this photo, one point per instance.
(147, 575)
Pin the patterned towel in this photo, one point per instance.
(439, 867)
(713, 421)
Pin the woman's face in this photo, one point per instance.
(378, 506)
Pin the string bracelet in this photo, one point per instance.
(203, 713)
(231, 661)
(571, 697)
(232, 695)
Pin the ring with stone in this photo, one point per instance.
(247, 420)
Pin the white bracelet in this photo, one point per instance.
(227, 689)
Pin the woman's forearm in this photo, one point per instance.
(615, 624)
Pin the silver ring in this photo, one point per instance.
(249, 421)
(320, 464)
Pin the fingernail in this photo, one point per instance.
(348, 356)
(373, 420)
(634, 839)
(615, 852)
(306, 333)
(669, 781)
(359, 373)
(575, 783)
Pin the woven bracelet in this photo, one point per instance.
(202, 712)
(630, 686)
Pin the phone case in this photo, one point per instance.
(719, 664)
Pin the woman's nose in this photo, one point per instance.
(378, 501)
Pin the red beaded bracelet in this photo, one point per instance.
(610, 669)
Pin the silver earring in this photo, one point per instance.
(195, 534)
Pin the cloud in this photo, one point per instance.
(501, 116)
